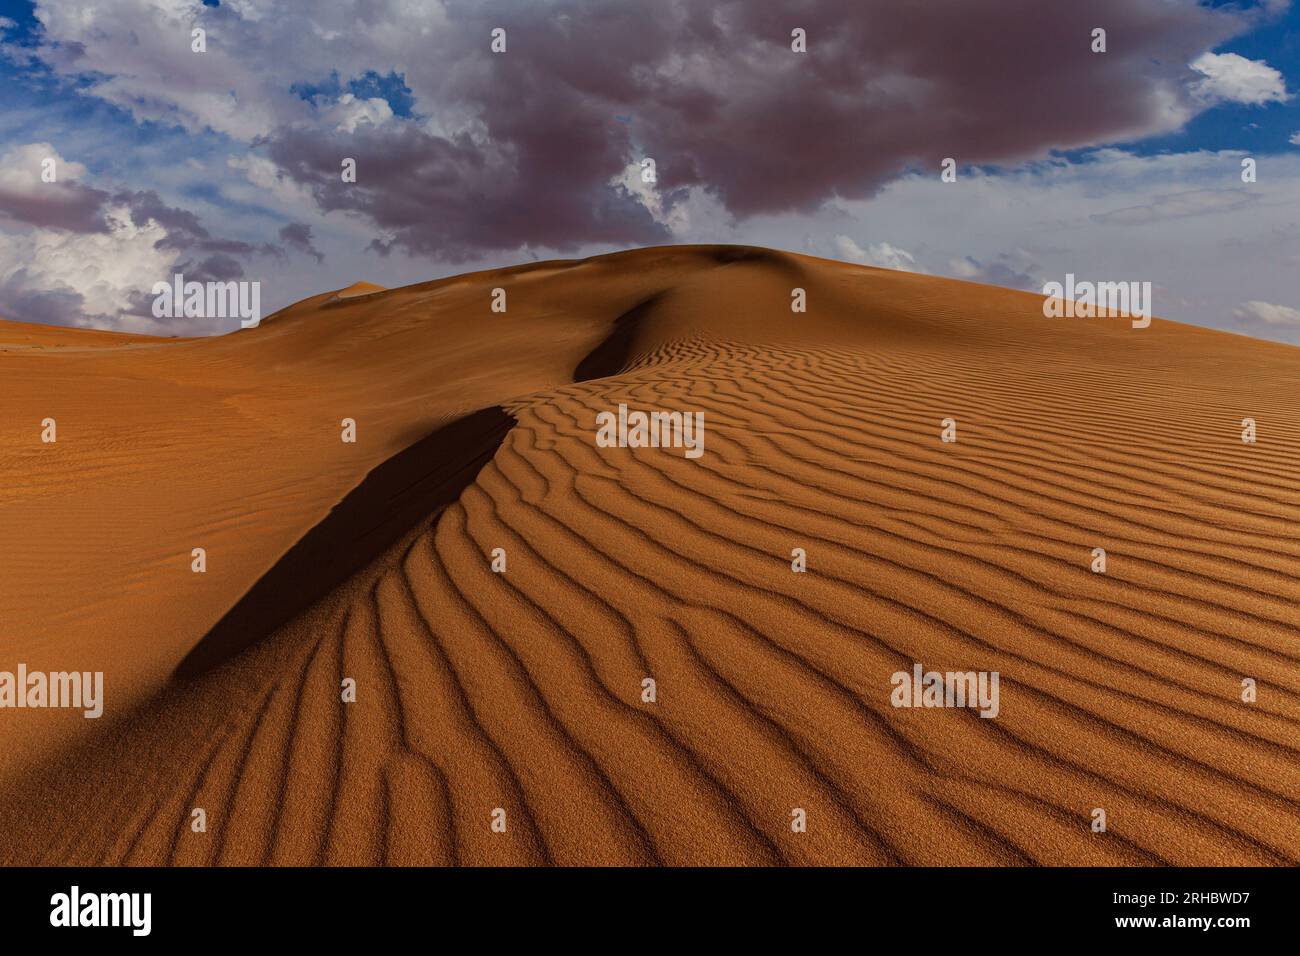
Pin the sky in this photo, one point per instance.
(225, 163)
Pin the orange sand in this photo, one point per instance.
(358, 289)
(522, 690)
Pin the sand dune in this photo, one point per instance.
(358, 289)
(522, 691)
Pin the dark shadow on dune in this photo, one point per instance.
(725, 255)
(410, 487)
(611, 356)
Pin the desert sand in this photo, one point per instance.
(357, 290)
(522, 691)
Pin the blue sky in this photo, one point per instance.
(1237, 126)
(1124, 165)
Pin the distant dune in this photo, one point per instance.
(521, 691)
(358, 289)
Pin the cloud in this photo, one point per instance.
(93, 276)
(297, 235)
(529, 148)
(348, 112)
(20, 297)
(25, 197)
(137, 55)
(1006, 270)
(667, 208)
(1268, 313)
(265, 174)
(1231, 78)
(87, 256)
(879, 254)
(1295, 138)
(454, 197)
(769, 131)
(1196, 202)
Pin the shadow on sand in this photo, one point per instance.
(412, 486)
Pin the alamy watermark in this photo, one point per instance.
(656, 429)
(922, 688)
(179, 299)
(130, 910)
(1086, 300)
(82, 690)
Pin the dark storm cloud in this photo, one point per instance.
(185, 232)
(885, 86)
(218, 268)
(716, 96)
(69, 206)
(82, 209)
(297, 235)
(19, 301)
(73, 207)
(452, 198)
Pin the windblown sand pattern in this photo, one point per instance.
(522, 690)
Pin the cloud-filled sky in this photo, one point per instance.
(226, 163)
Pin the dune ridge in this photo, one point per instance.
(522, 690)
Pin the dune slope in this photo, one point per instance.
(517, 696)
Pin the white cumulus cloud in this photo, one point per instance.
(883, 255)
(1267, 312)
(105, 270)
(677, 218)
(1231, 78)
(21, 166)
(349, 113)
